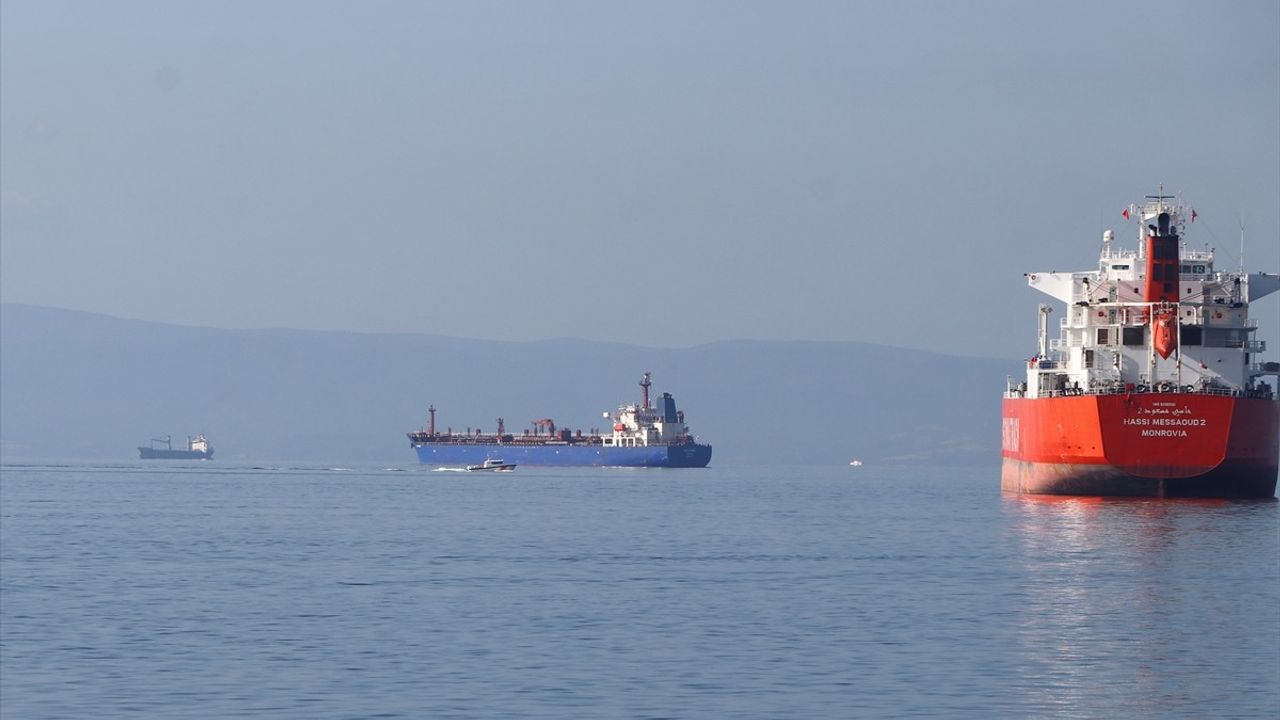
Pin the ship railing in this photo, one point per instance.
(1059, 344)
(1039, 363)
(1117, 253)
(1136, 309)
(1159, 388)
(508, 439)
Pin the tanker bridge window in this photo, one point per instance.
(1223, 337)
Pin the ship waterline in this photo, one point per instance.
(593, 455)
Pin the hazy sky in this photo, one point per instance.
(655, 173)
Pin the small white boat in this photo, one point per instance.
(493, 465)
(856, 463)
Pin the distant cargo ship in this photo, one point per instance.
(198, 448)
(637, 436)
(1155, 387)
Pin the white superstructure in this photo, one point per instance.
(642, 425)
(1150, 319)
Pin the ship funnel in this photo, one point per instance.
(1161, 281)
(668, 408)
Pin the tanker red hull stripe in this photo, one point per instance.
(1126, 440)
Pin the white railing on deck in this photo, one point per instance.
(1141, 389)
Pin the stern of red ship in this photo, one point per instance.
(1141, 445)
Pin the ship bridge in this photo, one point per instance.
(643, 424)
(1162, 316)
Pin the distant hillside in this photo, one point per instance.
(80, 385)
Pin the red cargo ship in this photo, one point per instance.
(1155, 386)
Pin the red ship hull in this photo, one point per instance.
(1142, 445)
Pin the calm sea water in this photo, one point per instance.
(206, 591)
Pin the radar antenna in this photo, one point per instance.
(1160, 198)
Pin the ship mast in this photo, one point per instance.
(1241, 219)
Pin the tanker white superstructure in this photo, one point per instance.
(642, 425)
(1104, 343)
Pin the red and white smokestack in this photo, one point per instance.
(1162, 282)
(1162, 261)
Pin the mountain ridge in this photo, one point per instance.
(80, 384)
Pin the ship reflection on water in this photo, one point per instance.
(1133, 606)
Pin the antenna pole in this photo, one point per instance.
(644, 385)
(1241, 219)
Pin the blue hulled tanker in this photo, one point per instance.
(638, 436)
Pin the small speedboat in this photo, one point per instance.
(856, 463)
(493, 465)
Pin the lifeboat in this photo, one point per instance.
(1166, 334)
